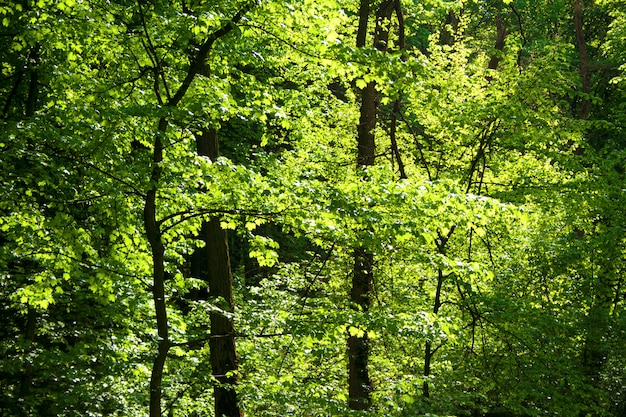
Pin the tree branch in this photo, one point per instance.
(203, 52)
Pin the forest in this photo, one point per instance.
(313, 208)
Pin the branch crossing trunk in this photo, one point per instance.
(224, 362)
(359, 382)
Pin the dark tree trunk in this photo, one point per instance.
(499, 47)
(153, 233)
(429, 351)
(397, 104)
(29, 335)
(33, 86)
(220, 280)
(359, 383)
(197, 66)
(450, 28)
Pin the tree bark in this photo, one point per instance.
(26, 379)
(224, 362)
(359, 382)
(595, 349)
(152, 225)
(429, 352)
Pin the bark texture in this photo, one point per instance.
(219, 278)
(359, 382)
(595, 349)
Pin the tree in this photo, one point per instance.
(194, 163)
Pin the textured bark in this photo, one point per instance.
(219, 277)
(367, 123)
(359, 382)
(223, 351)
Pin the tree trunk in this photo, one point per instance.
(451, 26)
(26, 379)
(359, 383)
(429, 352)
(499, 47)
(153, 233)
(219, 277)
(595, 349)
(217, 246)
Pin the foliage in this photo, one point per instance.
(499, 254)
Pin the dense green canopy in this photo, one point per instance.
(313, 208)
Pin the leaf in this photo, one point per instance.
(355, 331)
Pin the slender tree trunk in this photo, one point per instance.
(429, 351)
(29, 335)
(359, 382)
(360, 385)
(397, 104)
(155, 239)
(198, 65)
(219, 277)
